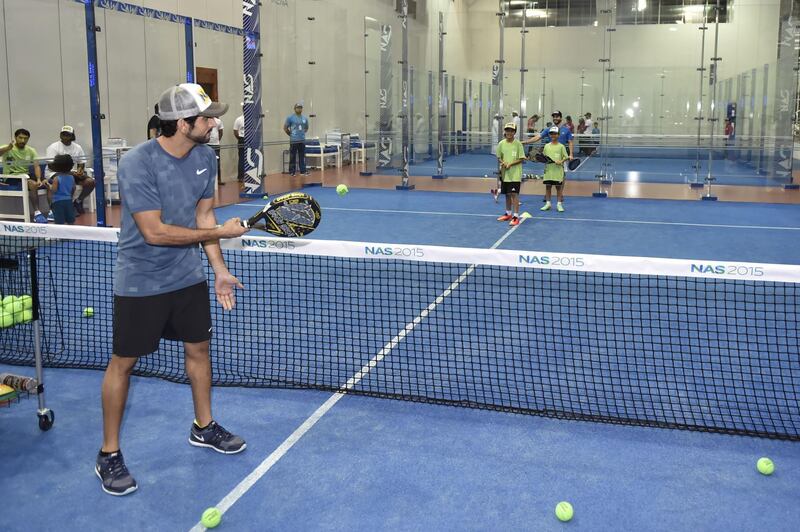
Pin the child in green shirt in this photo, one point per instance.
(510, 155)
(554, 172)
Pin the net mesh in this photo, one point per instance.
(682, 351)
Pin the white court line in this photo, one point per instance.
(249, 481)
(556, 219)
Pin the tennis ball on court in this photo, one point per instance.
(765, 466)
(88, 312)
(265, 197)
(211, 518)
(27, 302)
(27, 315)
(342, 190)
(6, 319)
(564, 511)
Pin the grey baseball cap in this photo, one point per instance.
(186, 100)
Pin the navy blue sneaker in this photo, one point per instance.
(217, 438)
(113, 473)
(39, 218)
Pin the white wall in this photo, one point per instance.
(140, 57)
(640, 55)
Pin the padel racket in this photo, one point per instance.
(573, 164)
(495, 192)
(292, 215)
(540, 157)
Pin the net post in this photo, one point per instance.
(37, 330)
(96, 115)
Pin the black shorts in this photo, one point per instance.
(550, 182)
(510, 187)
(141, 322)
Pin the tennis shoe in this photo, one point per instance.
(546, 206)
(114, 475)
(514, 222)
(504, 218)
(51, 217)
(39, 218)
(217, 438)
(559, 207)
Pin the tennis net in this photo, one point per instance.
(699, 345)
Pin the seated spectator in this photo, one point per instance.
(62, 186)
(18, 157)
(68, 146)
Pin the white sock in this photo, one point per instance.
(508, 213)
(516, 215)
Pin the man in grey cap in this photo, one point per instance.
(160, 289)
(296, 126)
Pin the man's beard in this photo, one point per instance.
(197, 139)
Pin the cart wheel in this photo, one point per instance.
(46, 420)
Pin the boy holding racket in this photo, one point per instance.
(510, 156)
(554, 171)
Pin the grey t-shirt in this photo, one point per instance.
(150, 179)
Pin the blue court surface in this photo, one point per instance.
(359, 463)
(624, 169)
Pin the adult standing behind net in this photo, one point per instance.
(217, 130)
(154, 125)
(564, 134)
(238, 132)
(296, 126)
(160, 289)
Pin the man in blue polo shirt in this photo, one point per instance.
(296, 126)
(564, 134)
(160, 288)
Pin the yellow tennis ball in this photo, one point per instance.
(564, 511)
(19, 315)
(27, 302)
(8, 300)
(342, 190)
(765, 466)
(211, 518)
(6, 319)
(27, 315)
(15, 305)
(88, 312)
